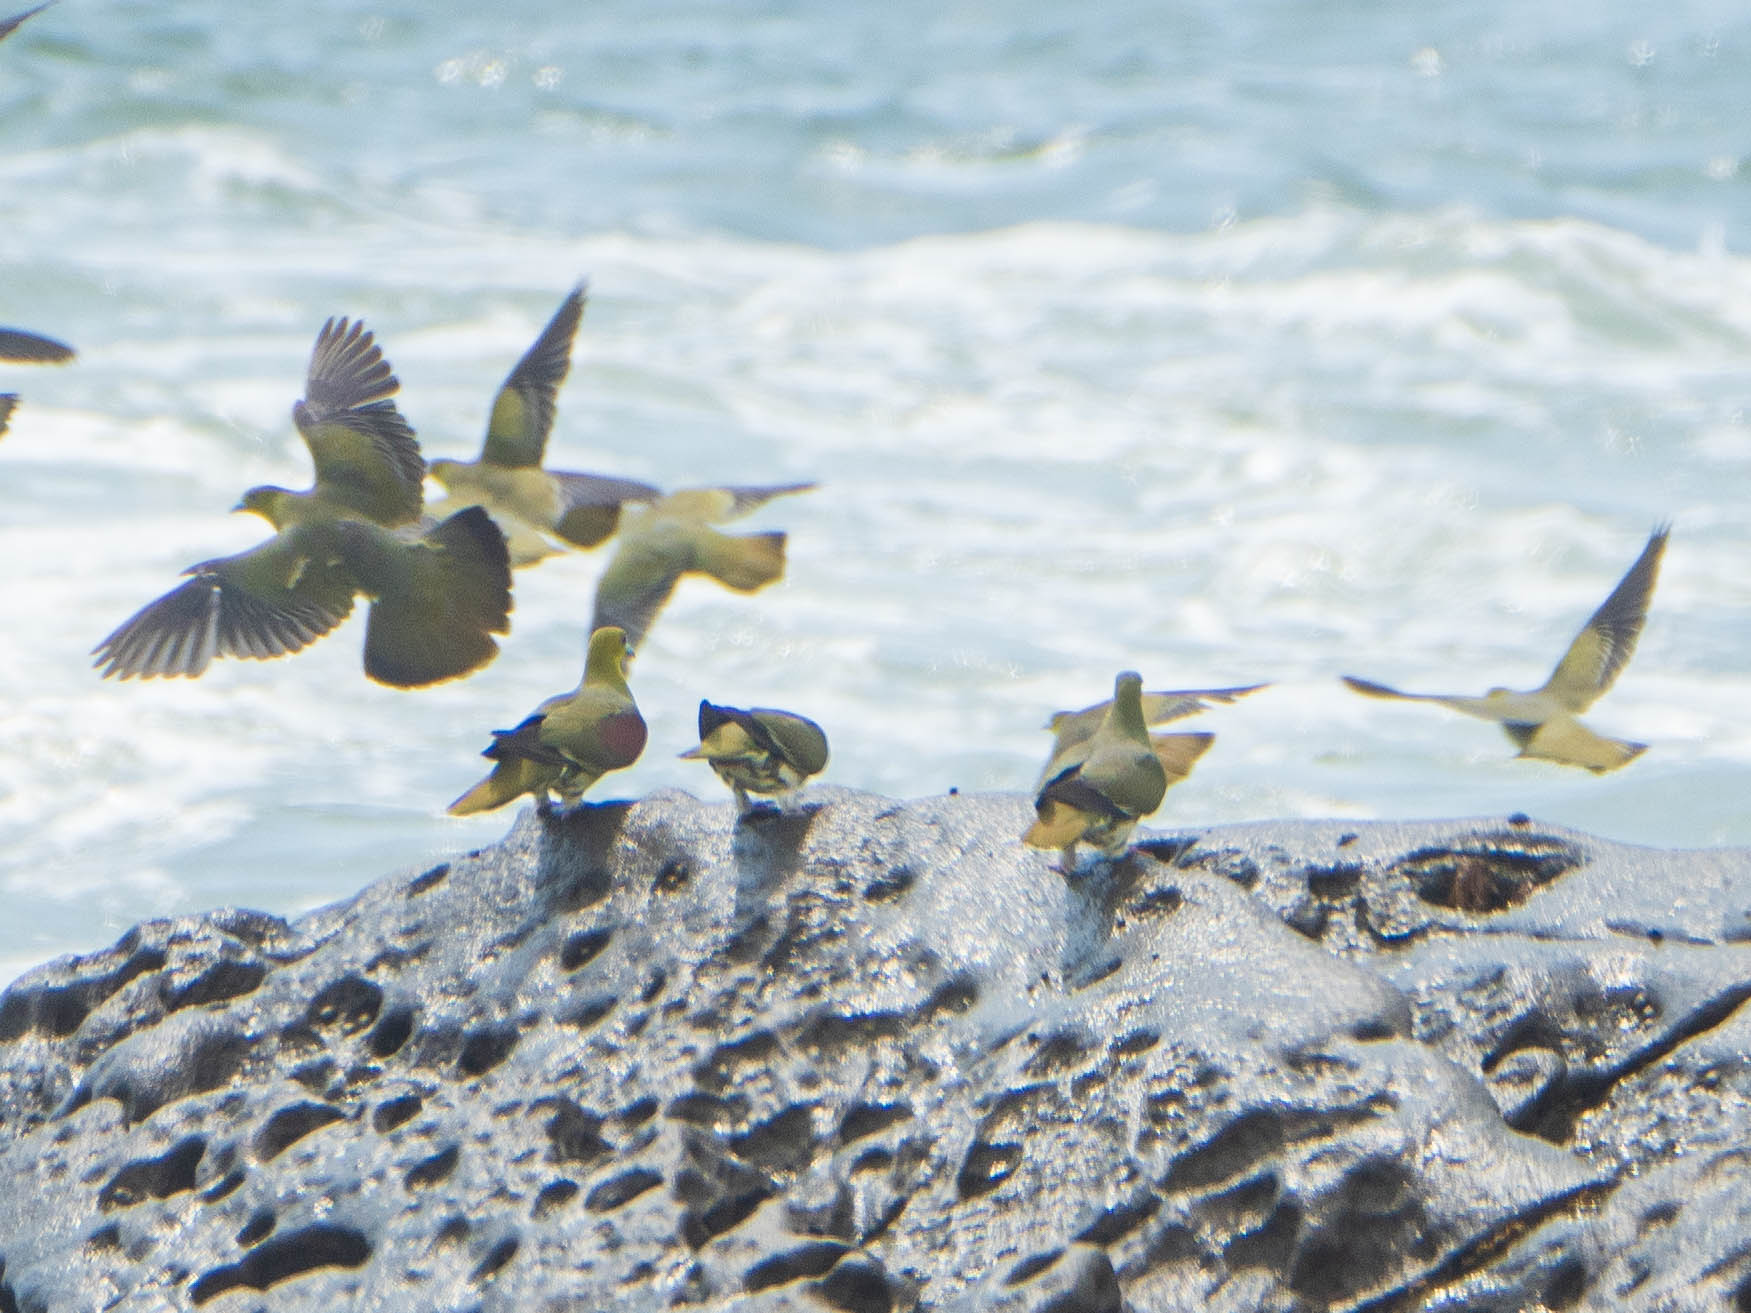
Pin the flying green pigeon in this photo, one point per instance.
(1542, 721)
(532, 505)
(437, 593)
(674, 537)
(568, 742)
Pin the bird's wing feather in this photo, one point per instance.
(1602, 649)
(364, 450)
(588, 505)
(266, 602)
(31, 348)
(522, 412)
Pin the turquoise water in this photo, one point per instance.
(1248, 341)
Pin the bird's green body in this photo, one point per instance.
(1095, 789)
(569, 741)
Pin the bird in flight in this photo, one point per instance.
(438, 593)
(1543, 722)
(674, 537)
(535, 506)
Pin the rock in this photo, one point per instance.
(876, 1056)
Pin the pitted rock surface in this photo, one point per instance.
(874, 1056)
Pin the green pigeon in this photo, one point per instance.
(1096, 790)
(1542, 721)
(15, 343)
(438, 592)
(535, 506)
(568, 742)
(760, 750)
(674, 537)
(1072, 727)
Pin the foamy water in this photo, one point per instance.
(1229, 351)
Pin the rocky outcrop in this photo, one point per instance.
(876, 1056)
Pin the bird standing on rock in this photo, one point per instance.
(534, 506)
(1094, 790)
(675, 537)
(759, 750)
(1542, 721)
(437, 595)
(568, 742)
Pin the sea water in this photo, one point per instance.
(1231, 341)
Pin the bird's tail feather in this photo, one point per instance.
(742, 562)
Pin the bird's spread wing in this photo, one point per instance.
(1602, 649)
(1369, 688)
(638, 581)
(744, 501)
(1158, 709)
(266, 602)
(1178, 753)
(365, 451)
(522, 413)
(31, 348)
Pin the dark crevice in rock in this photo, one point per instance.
(1552, 1114)
(1490, 873)
(986, 1167)
(393, 1112)
(391, 1031)
(582, 947)
(1479, 1251)
(431, 1171)
(281, 1259)
(806, 1261)
(291, 1124)
(170, 1173)
(428, 880)
(620, 1190)
(485, 1048)
(350, 1003)
(496, 1258)
(865, 1119)
(259, 1226)
(553, 1197)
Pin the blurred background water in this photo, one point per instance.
(1234, 340)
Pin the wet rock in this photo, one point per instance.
(877, 1056)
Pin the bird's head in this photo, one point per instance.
(268, 502)
(440, 470)
(608, 657)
